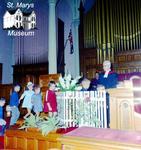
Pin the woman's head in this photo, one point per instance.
(52, 85)
(106, 65)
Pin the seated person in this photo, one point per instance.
(2, 121)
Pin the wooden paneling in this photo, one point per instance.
(128, 61)
(88, 62)
(100, 139)
(5, 91)
(31, 72)
(123, 101)
(121, 109)
(29, 140)
(44, 81)
(77, 143)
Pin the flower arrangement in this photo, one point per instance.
(66, 83)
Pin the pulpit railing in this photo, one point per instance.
(87, 108)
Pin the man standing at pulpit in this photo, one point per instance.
(108, 79)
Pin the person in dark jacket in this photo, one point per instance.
(94, 82)
(108, 79)
(2, 121)
(14, 103)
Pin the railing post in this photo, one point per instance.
(85, 107)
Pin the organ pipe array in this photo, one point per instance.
(113, 26)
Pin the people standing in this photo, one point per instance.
(50, 103)
(27, 94)
(94, 82)
(36, 100)
(108, 79)
(14, 103)
(2, 121)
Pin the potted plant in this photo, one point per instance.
(43, 124)
(31, 123)
(49, 124)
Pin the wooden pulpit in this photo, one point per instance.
(125, 106)
(89, 138)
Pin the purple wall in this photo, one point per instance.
(6, 55)
(33, 49)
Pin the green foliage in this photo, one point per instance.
(45, 124)
(31, 121)
(86, 113)
(50, 124)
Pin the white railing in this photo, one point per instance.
(82, 108)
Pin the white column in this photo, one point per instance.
(52, 52)
(75, 25)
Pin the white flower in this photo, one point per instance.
(68, 77)
(78, 88)
(78, 77)
(63, 85)
(67, 83)
(62, 82)
(73, 82)
(65, 76)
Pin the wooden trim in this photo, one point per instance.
(75, 143)
(25, 140)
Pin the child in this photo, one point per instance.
(2, 121)
(37, 101)
(85, 84)
(50, 104)
(14, 103)
(27, 99)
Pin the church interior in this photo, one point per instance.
(70, 74)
